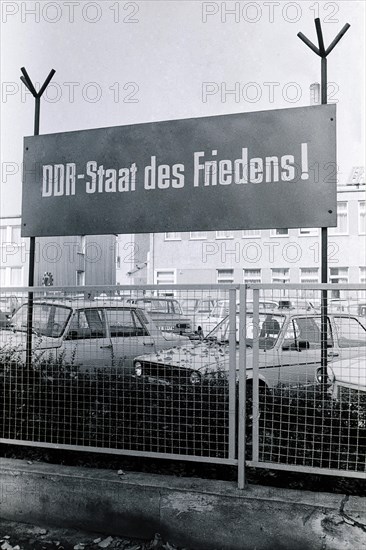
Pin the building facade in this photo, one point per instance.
(63, 261)
(255, 256)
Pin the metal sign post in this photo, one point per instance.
(37, 96)
(323, 54)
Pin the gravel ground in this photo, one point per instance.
(21, 536)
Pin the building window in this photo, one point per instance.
(363, 275)
(224, 234)
(338, 275)
(362, 217)
(198, 235)
(165, 277)
(308, 232)
(279, 232)
(342, 220)
(225, 276)
(16, 276)
(280, 276)
(309, 275)
(251, 233)
(252, 276)
(174, 236)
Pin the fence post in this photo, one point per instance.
(255, 411)
(242, 385)
(232, 372)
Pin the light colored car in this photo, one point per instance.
(208, 322)
(8, 306)
(88, 334)
(198, 308)
(289, 350)
(355, 307)
(348, 373)
(346, 383)
(166, 313)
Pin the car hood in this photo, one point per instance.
(204, 355)
(171, 336)
(352, 371)
(18, 340)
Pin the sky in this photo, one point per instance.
(122, 63)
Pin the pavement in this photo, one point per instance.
(21, 536)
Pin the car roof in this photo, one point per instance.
(153, 299)
(82, 304)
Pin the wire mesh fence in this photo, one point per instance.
(309, 412)
(119, 370)
(159, 371)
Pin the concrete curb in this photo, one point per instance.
(196, 513)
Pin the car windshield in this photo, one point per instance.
(267, 332)
(160, 306)
(48, 319)
(221, 309)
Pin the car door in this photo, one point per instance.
(86, 341)
(300, 349)
(129, 335)
(350, 336)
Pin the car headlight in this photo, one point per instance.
(195, 378)
(138, 368)
(320, 376)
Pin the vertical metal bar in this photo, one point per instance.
(232, 372)
(32, 249)
(242, 404)
(324, 81)
(255, 411)
(28, 352)
(324, 261)
(37, 115)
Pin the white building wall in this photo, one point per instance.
(210, 257)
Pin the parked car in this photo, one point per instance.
(8, 306)
(355, 307)
(289, 350)
(346, 383)
(166, 313)
(90, 334)
(348, 373)
(196, 308)
(221, 310)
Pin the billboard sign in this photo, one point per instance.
(268, 169)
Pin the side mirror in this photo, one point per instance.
(72, 335)
(296, 346)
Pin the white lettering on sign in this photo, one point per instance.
(58, 179)
(164, 176)
(61, 179)
(248, 170)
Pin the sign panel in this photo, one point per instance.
(268, 169)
